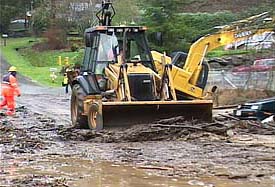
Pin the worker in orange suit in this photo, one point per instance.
(9, 90)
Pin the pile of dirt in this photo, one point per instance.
(236, 6)
(238, 96)
(163, 130)
(169, 130)
(254, 127)
(26, 137)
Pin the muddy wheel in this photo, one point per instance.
(77, 108)
(95, 120)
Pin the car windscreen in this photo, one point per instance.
(270, 62)
(268, 107)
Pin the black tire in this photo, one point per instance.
(77, 108)
(95, 120)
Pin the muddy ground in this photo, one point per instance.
(226, 149)
(39, 147)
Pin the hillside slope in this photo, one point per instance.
(235, 6)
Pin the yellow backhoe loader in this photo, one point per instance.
(189, 72)
(119, 83)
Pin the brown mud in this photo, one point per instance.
(39, 147)
(241, 95)
(226, 149)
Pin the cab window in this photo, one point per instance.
(86, 58)
(180, 60)
(105, 52)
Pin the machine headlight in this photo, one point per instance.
(239, 106)
(254, 107)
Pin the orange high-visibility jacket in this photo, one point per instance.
(10, 86)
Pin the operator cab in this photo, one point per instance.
(104, 45)
(179, 60)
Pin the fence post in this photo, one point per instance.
(59, 61)
(66, 61)
(272, 80)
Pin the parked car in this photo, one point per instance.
(268, 62)
(256, 110)
(261, 65)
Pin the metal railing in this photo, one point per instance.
(244, 80)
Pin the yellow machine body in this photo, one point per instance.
(123, 82)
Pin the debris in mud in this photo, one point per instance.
(37, 180)
(170, 129)
(196, 149)
(241, 95)
(19, 136)
(255, 127)
(20, 140)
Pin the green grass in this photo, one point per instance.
(48, 58)
(33, 64)
(221, 52)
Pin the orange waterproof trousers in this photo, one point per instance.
(10, 102)
(9, 91)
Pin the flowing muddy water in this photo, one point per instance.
(77, 172)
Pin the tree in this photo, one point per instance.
(160, 16)
(11, 9)
(127, 12)
(6, 14)
(81, 14)
(41, 17)
(179, 30)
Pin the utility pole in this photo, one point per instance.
(53, 9)
(5, 37)
(53, 12)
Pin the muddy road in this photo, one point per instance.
(39, 147)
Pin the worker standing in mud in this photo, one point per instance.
(65, 81)
(9, 90)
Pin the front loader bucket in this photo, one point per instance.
(138, 112)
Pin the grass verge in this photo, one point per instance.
(33, 64)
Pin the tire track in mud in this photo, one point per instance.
(52, 105)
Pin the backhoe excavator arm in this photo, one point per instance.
(186, 78)
(205, 44)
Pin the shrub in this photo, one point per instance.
(74, 47)
(56, 38)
